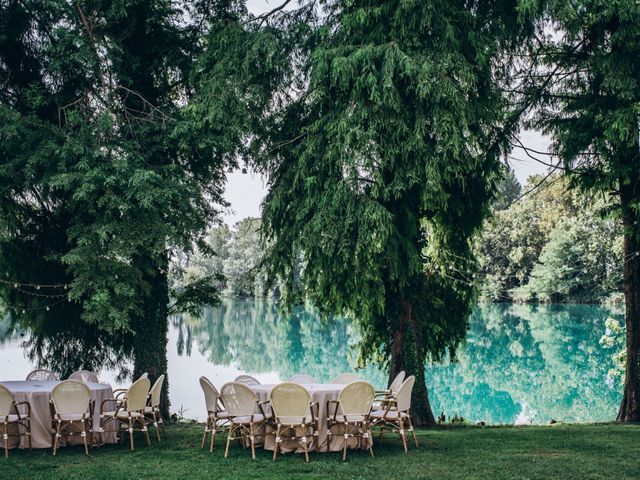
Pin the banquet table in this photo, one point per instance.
(321, 393)
(38, 394)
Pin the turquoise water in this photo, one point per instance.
(520, 363)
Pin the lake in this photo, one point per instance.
(520, 364)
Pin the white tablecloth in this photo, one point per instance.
(321, 393)
(38, 394)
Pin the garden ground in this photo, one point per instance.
(540, 452)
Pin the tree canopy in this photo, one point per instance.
(383, 150)
(590, 105)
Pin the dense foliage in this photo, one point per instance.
(382, 153)
(102, 172)
(588, 76)
(552, 245)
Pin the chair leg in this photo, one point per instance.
(146, 430)
(29, 433)
(5, 435)
(56, 438)
(346, 441)
(367, 430)
(226, 450)
(204, 435)
(84, 437)
(213, 436)
(131, 433)
(155, 425)
(277, 446)
(251, 437)
(306, 450)
(413, 431)
(403, 436)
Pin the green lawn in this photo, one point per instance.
(560, 451)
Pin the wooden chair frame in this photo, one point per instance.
(393, 421)
(21, 421)
(58, 425)
(363, 430)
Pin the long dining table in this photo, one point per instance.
(38, 394)
(320, 393)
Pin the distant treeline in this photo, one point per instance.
(548, 243)
(543, 243)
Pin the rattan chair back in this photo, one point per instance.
(6, 401)
(356, 398)
(302, 378)
(71, 397)
(345, 378)
(247, 380)
(84, 376)
(238, 399)
(403, 395)
(136, 396)
(290, 400)
(156, 390)
(42, 375)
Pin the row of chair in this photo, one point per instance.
(291, 414)
(72, 412)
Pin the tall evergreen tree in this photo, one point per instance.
(103, 170)
(383, 162)
(591, 107)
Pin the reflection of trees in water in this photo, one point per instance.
(58, 341)
(254, 336)
(545, 358)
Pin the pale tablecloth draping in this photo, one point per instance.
(321, 393)
(38, 394)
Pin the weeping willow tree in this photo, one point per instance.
(383, 151)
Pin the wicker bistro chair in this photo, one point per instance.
(242, 404)
(247, 380)
(351, 414)
(397, 413)
(217, 416)
(71, 408)
(129, 411)
(345, 378)
(293, 412)
(381, 395)
(152, 410)
(10, 415)
(84, 376)
(302, 378)
(42, 375)
(119, 392)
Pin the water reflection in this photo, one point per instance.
(254, 338)
(520, 364)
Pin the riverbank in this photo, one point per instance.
(559, 451)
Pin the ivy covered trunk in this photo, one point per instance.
(407, 353)
(630, 406)
(151, 329)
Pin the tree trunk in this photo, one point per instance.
(630, 406)
(407, 354)
(151, 329)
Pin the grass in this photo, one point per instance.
(545, 452)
